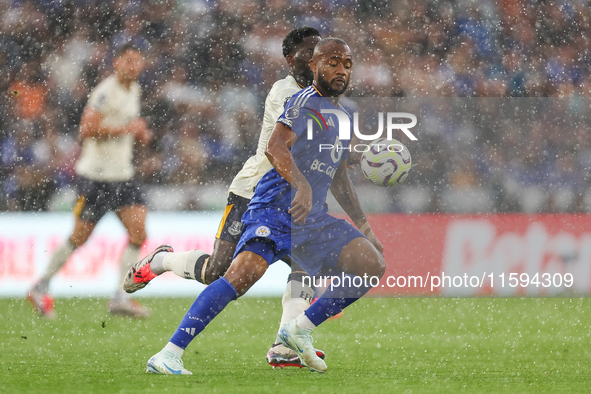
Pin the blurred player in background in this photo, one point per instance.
(109, 128)
(288, 215)
(298, 47)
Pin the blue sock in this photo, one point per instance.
(208, 305)
(334, 300)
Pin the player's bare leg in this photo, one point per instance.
(81, 233)
(361, 258)
(193, 264)
(198, 265)
(293, 304)
(246, 269)
(39, 295)
(219, 261)
(133, 218)
(358, 258)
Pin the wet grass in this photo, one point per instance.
(379, 345)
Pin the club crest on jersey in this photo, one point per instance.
(263, 231)
(292, 112)
(235, 228)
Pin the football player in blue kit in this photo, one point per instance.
(288, 215)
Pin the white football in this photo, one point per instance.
(386, 162)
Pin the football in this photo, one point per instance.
(386, 162)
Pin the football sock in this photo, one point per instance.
(130, 255)
(334, 300)
(175, 349)
(304, 322)
(208, 305)
(121, 296)
(296, 298)
(201, 267)
(184, 264)
(157, 263)
(58, 259)
(128, 258)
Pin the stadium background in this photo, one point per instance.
(211, 63)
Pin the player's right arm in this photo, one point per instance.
(274, 107)
(92, 126)
(282, 138)
(344, 192)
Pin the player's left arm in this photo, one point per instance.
(344, 192)
(354, 157)
(280, 157)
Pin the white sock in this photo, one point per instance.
(302, 321)
(174, 348)
(157, 263)
(182, 263)
(58, 259)
(295, 304)
(129, 257)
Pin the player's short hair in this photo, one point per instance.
(326, 40)
(296, 37)
(127, 47)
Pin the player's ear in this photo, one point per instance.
(290, 60)
(117, 62)
(313, 66)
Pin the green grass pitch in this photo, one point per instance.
(380, 345)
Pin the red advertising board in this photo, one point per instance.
(475, 255)
(426, 255)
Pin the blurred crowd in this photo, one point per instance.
(210, 65)
(499, 155)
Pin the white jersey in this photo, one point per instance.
(111, 159)
(256, 166)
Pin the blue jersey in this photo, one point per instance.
(317, 152)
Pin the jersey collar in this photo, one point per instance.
(318, 91)
(299, 84)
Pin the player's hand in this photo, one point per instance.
(301, 205)
(374, 240)
(136, 126)
(144, 136)
(353, 159)
(139, 128)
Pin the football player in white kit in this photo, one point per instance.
(110, 126)
(298, 48)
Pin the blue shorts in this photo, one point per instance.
(315, 246)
